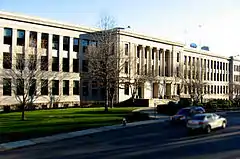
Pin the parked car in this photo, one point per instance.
(206, 122)
(184, 114)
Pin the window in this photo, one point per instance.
(177, 71)
(55, 87)
(159, 70)
(76, 65)
(55, 42)
(84, 65)
(44, 41)
(138, 67)
(126, 67)
(185, 60)
(65, 64)
(33, 39)
(65, 87)
(126, 49)
(44, 87)
(7, 87)
(44, 63)
(76, 44)
(66, 43)
(85, 89)
(152, 70)
(20, 37)
(7, 36)
(84, 43)
(94, 88)
(146, 51)
(32, 88)
(7, 60)
(32, 62)
(178, 57)
(126, 89)
(75, 87)
(145, 69)
(152, 54)
(55, 64)
(20, 86)
(20, 61)
(138, 51)
(189, 60)
(215, 64)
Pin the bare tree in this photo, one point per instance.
(137, 76)
(103, 59)
(24, 72)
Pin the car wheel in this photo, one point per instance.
(208, 129)
(223, 125)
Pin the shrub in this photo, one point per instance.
(137, 116)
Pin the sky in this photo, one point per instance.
(213, 23)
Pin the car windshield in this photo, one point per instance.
(198, 117)
(183, 112)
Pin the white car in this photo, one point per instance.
(206, 122)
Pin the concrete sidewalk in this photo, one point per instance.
(54, 138)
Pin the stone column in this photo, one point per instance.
(49, 51)
(60, 64)
(163, 63)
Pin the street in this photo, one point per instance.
(159, 140)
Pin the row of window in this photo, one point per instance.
(21, 60)
(237, 68)
(209, 89)
(192, 74)
(146, 51)
(7, 87)
(8, 38)
(205, 63)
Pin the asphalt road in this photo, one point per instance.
(150, 141)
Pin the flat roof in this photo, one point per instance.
(44, 22)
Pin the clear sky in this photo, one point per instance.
(173, 19)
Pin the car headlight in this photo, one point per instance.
(183, 118)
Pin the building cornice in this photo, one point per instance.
(149, 38)
(45, 22)
(206, 53)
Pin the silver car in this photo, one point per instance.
(206, 122)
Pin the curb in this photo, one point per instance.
(58, 137)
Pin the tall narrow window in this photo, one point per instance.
(44, 87)
(32, 62)
(7, 36)
(126, 67)
(66, 43)
(76, 44)
(126, 49)
(20, 61)
(20, 86)
(55, 64)
(76, 65)
(84, 43)
(126, 89)
(138, 67)
(65, 87)
(32, 88)
(20, 37)
(65, 66)
(33, 39)
(178, 57)
(75, 87)
(85, 89)
(44, 63)
(44, 40)
(55, 87)
(7, 84)
(84, 65)
(55, 42)
(7, 60)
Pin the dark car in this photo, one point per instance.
(184, 114)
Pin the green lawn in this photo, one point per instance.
(47, 122)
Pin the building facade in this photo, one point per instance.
(168, 60)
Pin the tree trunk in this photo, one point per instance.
(106, 100)
(23, 111)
